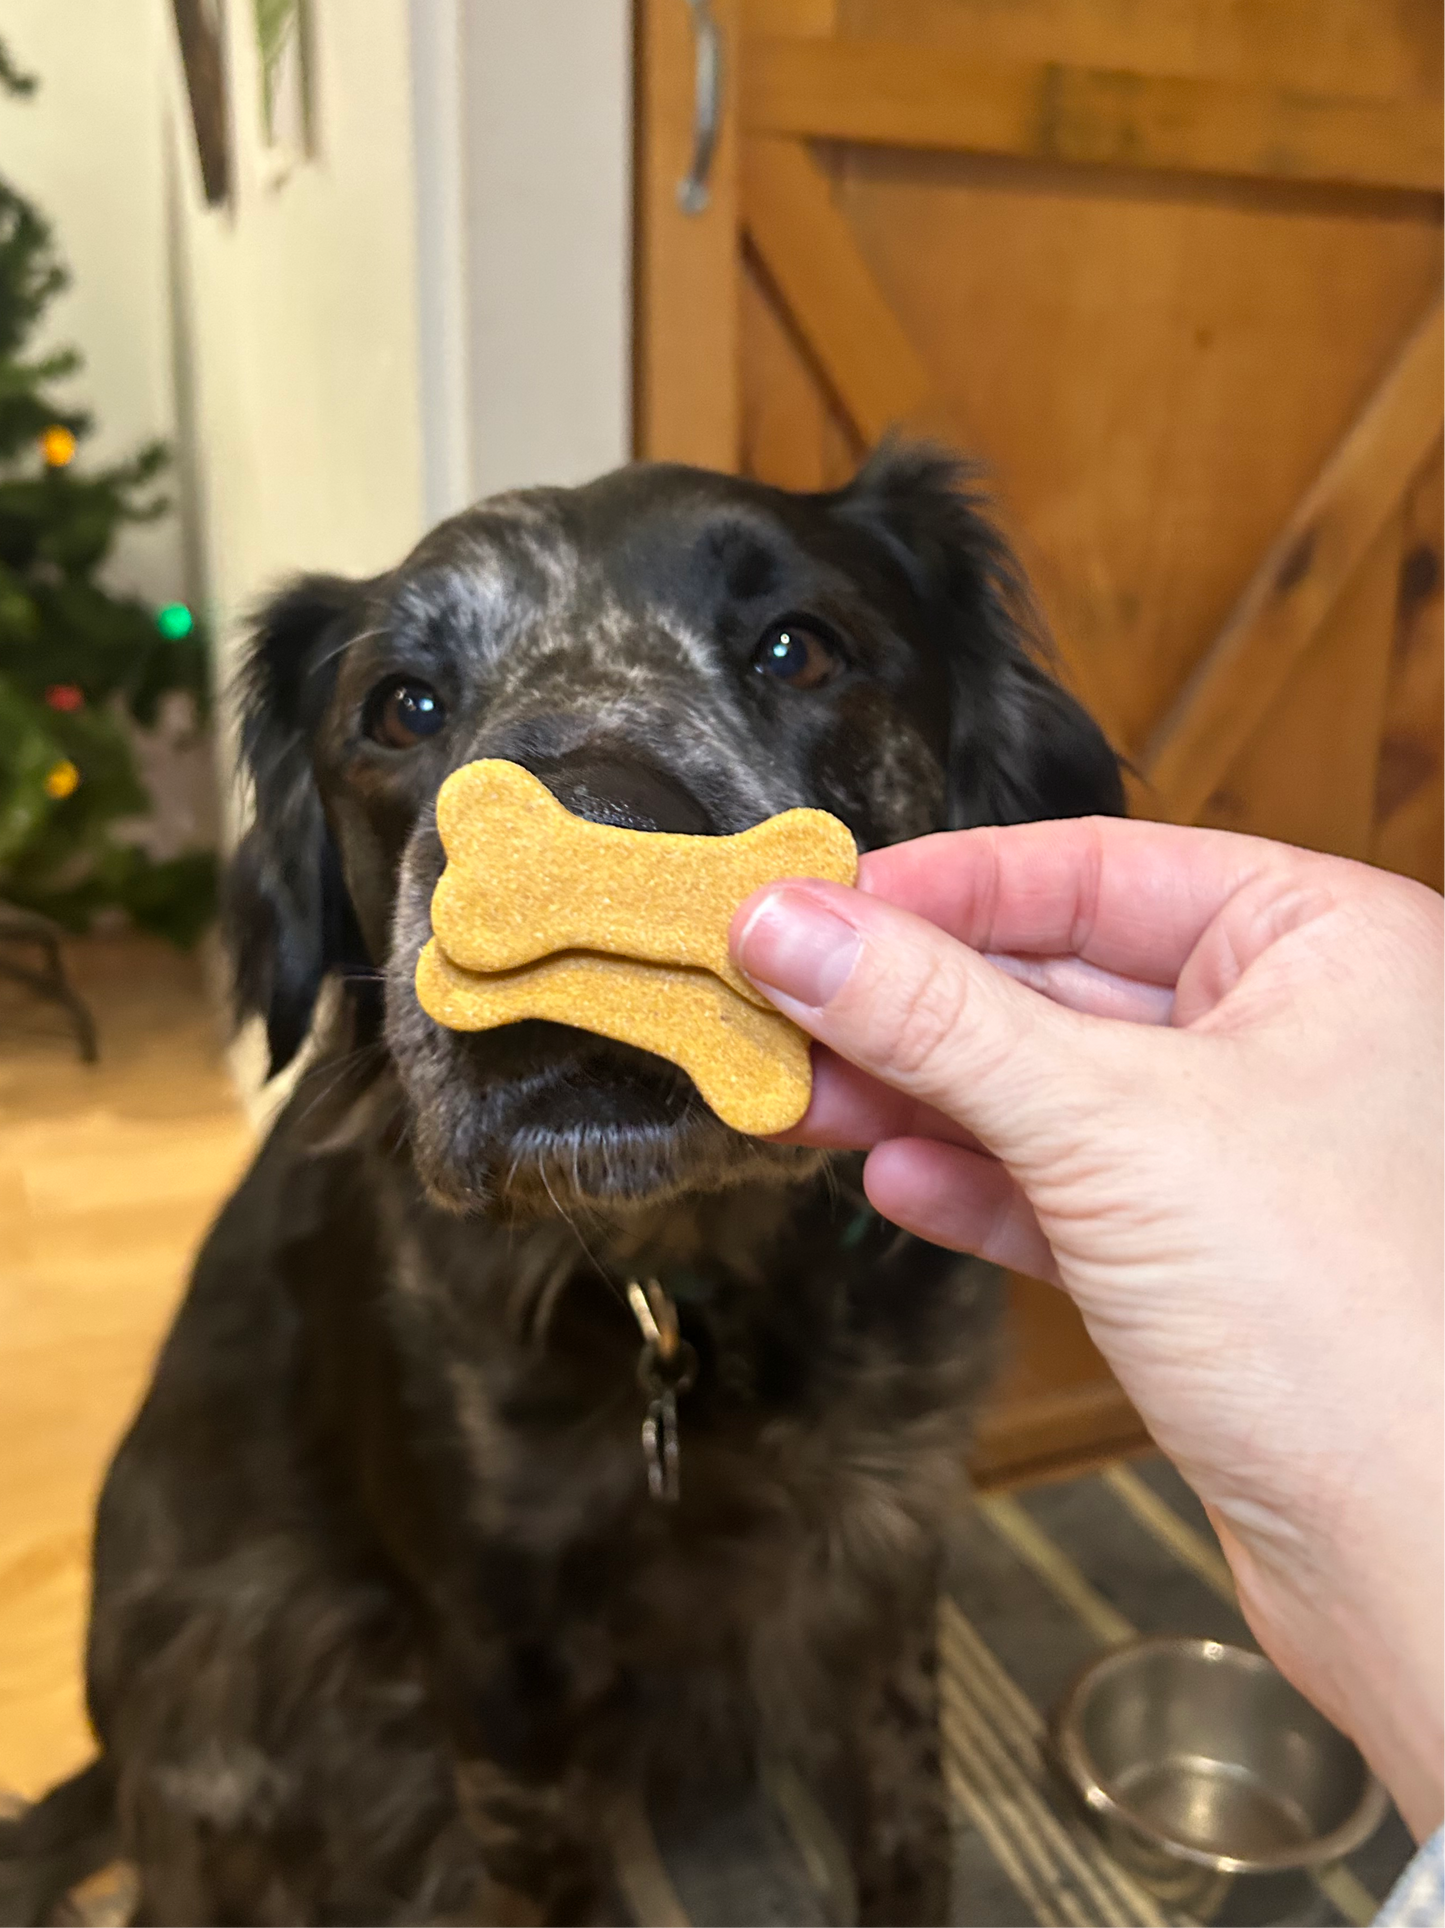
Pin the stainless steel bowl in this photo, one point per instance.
(1212, 1778)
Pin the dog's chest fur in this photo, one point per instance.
(481, 1401)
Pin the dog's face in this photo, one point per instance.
(668, 650)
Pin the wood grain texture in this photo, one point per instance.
(799, 18)
(1307, 774)
(892, 93)
(1055, 1402)
(1299, 579)
(795, 435)
(1156, 357)
(813, 259)
(109, 1176)
(1152, 379)
(686, 374)
(1409, 833)
(1369, 49)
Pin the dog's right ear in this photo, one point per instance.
(288, 919)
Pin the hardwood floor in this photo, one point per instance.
(109, 1176)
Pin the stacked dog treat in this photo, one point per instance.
(542, 914)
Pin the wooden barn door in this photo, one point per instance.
(1172, 270)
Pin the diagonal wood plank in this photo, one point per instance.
(1329, 716)
(809, 251)
(1300, 579)
(895, 94)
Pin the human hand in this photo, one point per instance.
(1198, 1083)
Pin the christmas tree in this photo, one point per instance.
(80, 667)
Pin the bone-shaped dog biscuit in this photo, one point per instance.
(526, 878)
(541, 914)
(751, 1066)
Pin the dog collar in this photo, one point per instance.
(667, 1363)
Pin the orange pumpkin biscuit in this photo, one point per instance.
(751, 1066)
(525, 878)
(542, 914)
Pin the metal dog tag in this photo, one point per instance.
(666, 1367)
(660, 1448)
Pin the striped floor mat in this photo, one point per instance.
(1040, 1581)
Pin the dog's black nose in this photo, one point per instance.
(612, 787)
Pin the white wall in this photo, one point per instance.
(297, 305)
(273, 342)
(435, 307)
(524, 132)
(443, 357)
(438, 306)
(88, 148)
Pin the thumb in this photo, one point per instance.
(921, 1012)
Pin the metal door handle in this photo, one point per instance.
(692, 189)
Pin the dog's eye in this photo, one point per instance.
(400, 714)
(794, 654)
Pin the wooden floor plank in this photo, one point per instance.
(109, 1176)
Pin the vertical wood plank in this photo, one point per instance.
(686, 378)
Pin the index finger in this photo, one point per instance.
(1131, 898)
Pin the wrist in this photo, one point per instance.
(1354, 1621)
(1386, 1686)
(1390, 1628)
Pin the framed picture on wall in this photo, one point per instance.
(284, 44)
(199, 30)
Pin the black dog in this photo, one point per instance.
(385, 1623)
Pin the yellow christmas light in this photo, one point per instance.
(57, 445)
(61, 779)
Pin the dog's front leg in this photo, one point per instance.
(540, 1842)
(902, 1852)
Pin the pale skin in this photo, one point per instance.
(1195, 1079)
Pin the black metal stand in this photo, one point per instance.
(49, 980)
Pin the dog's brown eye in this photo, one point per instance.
(401, 714)
(796, 655)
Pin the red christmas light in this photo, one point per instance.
(65, 697)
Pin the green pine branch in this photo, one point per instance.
(80, 666)
(12, 80)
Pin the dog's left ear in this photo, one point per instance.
(1020, 747)
(288, 919)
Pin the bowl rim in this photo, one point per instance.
(1066, 1736)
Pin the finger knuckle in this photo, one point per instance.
(920, 1018)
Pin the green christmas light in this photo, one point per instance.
(175, 621)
